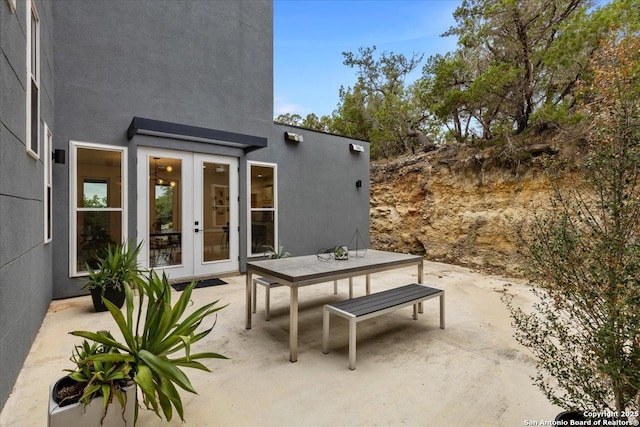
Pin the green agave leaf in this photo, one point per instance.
(157, 335)
(128, 298)
(166, 369)
(76, 376)
(168, 389)
(106, 395)
(165, 404)
(100, 338)
(121, 322)
(182, 303)
(121, 397)
(144, 378)
(89, 393)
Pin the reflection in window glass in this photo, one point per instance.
(95, 194)
(215, 212)
(165, 212)
(96, 231)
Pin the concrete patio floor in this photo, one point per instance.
(408, 372)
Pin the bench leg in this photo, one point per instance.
(368, 284)
(352, 343)
(420, 307)
(442, 311)
(350, 287)
(335, 287)
(415, 311)
(325, 331)
(267, 302)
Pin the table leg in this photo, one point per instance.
(368, 284)
(350, 287)
(293, 325)
(442, 311)
(420, 281)
(248, 301)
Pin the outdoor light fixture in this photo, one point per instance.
(58, 156)
(355, 148)
(293, 137)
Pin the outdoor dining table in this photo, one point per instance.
(296, 272)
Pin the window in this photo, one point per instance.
(48, 138)
(263, 194)
(33, 80)
(98, 202)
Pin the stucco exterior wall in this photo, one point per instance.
(319, 204)
(206, 64)
(25, 260)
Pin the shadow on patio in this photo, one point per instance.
(408, 372)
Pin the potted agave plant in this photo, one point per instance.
(106, 281)
(156, 345)
(84, 396)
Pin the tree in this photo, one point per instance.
(514, 58)
(381, 106)
(584, 256)
(289, 119)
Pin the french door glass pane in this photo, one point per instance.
(215, 215)
(165, 212)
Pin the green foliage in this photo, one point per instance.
(380, 108)
(274, 253)
(100, 378)
(119, 266)
(157, 342)
(584, 255)
(311, 121)
(515, 69)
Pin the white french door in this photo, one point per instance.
(187, 212)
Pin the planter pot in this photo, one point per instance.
(78, 414)
(116, 296)
(341, 253)
(570, 416)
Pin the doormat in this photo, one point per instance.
(201, 284)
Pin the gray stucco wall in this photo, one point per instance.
(25, 261)
(319, 204)
(199, 63)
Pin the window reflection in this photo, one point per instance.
(165, 212)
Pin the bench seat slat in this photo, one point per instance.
(386, 299)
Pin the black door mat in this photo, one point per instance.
(201, 284)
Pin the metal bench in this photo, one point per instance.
(368, 306)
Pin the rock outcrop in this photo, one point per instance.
(454, 209)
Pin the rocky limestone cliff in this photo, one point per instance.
(454, 209)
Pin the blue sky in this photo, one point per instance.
(310, 36)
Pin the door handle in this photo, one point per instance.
(197, 230)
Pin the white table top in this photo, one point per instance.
(309, 269)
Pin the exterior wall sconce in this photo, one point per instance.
(293, 137)
(359, 183)
(58, 156)
(355, 148)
